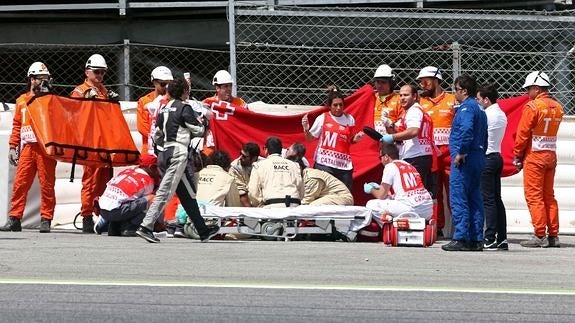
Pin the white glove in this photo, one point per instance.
(13, 157)
(386, 121)
(368, 187)
(91, 93)
(113, 96)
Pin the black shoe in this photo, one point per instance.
(45, 226)
(553, 242)
(87, 224)
(128, 233)
(475, 245)
(455, 245)
(147, 235)
(211, 230)
(128, 229)
(503, 245)
(489, 244)
(13, 225)
(115, 229)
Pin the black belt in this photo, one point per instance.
(493, 154)
(287, 200)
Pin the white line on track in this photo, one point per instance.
(288, 286)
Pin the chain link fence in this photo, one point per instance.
(129, 67)
(289, 55)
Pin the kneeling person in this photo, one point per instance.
(275, 182)
(215, 185)
(410, 194)
(321, 188)
(127, 196)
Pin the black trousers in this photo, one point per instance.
(495, 216)
(132, 211)
(423, 166)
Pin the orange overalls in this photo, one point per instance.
(535, 144)
(389, 105)
(94, 179)
(441, 111)
(143, 119)
(209, 144)
(32, 159)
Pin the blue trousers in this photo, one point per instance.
(465, 197)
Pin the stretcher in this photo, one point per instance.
(287, 223)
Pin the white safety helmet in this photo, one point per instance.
(95, 62)
(161, 73)
(222, 77)
(38, 68)
(383, 71)
(430, 71)
(537, 78)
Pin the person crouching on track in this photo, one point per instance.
(275, 182)
(410, 194)
(127, 197)
(176, 125)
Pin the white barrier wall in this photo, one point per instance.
(68, 194)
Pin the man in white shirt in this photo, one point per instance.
(409, 193)
(495, 217)
(414, 131)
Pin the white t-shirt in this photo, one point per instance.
(344, 120)
(406, 183)
(496, 124)
(412, 147)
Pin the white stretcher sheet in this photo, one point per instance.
(352, 217)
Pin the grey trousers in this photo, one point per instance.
(177, 178)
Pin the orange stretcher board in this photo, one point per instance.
(82, 131)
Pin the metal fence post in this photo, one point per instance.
(232, 32)
(456, 59)
(126, 70)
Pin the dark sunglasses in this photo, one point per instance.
(99, 72)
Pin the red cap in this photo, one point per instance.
(148, 160)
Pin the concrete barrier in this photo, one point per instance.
(68, 194)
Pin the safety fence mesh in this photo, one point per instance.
(289, 55)
(129, 66)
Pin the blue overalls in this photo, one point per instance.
(468, 137)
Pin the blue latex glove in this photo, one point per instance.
(387, 138)
(368, 187)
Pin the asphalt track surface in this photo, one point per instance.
(72, 277)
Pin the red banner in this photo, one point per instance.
(234, 126)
